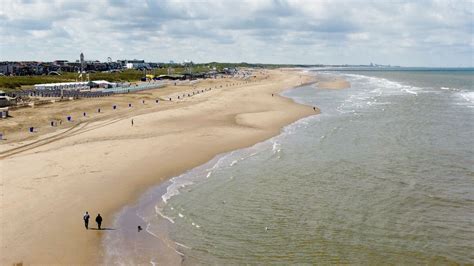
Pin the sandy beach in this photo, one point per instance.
(236, 133)
(100, 162)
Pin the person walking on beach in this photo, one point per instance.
(132, 122)
(86, 220)
(98, 220)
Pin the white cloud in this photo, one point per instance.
(271, 31)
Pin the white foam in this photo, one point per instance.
(163, 240)
(276, 147)
(181, 245)
(190, 177)
(158, 211)
(468, 96)
(449, 89)
(169, 193)
(410, 91)
(368, 92)
(382, 103)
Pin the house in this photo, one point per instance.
(6, 68)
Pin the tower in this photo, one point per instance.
(82, 62)
(81, 57)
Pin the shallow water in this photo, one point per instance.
(384, 174)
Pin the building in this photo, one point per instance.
(63, 86)
(102, 84)
(27, 68)
(60, 62)
(133, 64)
(6, 68)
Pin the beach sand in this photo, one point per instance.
(333, 84)
(100, 163)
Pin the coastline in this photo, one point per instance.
(154, 245)
(76, 172)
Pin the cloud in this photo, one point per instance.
(395, 32)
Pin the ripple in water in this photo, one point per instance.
(384, 175)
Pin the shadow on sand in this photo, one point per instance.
(102, 229)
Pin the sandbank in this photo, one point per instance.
(333, 84)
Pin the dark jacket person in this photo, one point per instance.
(98, 220)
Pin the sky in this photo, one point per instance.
(436, 33)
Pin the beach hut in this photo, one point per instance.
(4, 112)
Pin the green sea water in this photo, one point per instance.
(384, 175)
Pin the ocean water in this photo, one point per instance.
(385, 174)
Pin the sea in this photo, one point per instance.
(383, 175)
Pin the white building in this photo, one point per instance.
(102, 84)
(133, 64)
(63, 86)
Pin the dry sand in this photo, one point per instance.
(100, 163)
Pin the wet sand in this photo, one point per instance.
(101, 162)
(333, 84)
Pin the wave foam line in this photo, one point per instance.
(158, 211)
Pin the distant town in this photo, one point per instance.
(33, 83)
(57, 67)
(24, 82)
(28, 68)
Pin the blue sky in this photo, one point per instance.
(396, 32)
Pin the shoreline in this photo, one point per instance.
(146, 211)
(105, 156)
